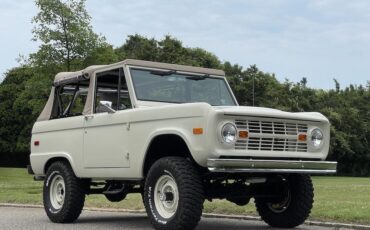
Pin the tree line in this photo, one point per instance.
(68, 43)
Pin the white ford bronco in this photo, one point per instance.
(177, 135)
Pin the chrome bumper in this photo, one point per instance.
(271, 166)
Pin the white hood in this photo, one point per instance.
(269, 113)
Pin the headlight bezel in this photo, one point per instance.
(223, 138)
(317, 132)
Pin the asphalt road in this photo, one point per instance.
(35, 218)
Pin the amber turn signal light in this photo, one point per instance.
(243, 134)
(197, 131)
(302, 137)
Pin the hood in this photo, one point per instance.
(269, 113)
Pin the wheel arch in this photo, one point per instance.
(164, 145)
(60, 157)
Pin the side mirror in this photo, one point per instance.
(106, 106)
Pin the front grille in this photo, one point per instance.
(271, 127)
(271, 136)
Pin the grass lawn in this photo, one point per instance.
(342, 199)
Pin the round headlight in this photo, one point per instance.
(316, 137)
(228, 133)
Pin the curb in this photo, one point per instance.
(333, 225)
(140, 211)
(337, 225)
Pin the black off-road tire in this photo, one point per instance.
(190, 190)
(74, 194)
(299, 208)
(115, 197)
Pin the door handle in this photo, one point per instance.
(87, 117)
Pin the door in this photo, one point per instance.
(105, 131)
(105, 143)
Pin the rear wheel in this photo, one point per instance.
(293, 205)
(63, 193)
(173, 194)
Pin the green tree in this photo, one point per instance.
(67, 42)
(138, 47)
(12, 122)
(102, 55)
(168, 50)
(66, 36)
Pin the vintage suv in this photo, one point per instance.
(177, 135)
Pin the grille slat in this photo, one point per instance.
(278, 139)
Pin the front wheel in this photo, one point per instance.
(173, 194)
(293, 205)
(63, 193)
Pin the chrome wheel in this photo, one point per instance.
(173, 194)
(166, 196)
(57, 192)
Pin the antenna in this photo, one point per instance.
(253, 90)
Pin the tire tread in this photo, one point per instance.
(192, 194)
(299, 209)
(74, 198)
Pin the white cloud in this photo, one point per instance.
(318, 39)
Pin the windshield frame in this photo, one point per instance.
(219, 77)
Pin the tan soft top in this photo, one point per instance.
(88, 73)
(66, 77)
(183, 68)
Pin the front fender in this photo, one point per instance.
(185, 135)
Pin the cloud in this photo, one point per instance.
(317, 39)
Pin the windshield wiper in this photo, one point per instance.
(198, 77)
(163, 73)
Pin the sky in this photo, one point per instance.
(316, 39)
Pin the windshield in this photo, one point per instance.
(172, 87)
